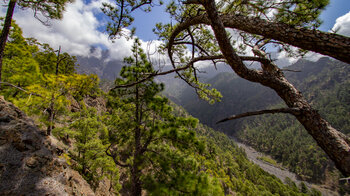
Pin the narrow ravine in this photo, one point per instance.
(279, 172)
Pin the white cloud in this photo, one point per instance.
(76, 32)
(342, 25)
(284, 60)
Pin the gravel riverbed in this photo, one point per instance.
(279, 172)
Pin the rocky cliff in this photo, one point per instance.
(30, 162)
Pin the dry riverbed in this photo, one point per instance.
(277, 170)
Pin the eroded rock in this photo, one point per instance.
(29, 164)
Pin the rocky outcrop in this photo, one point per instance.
(29, 162)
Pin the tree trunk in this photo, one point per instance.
(335, 144)
(52, 104)
(51, 115)
(135, 170)
(5, 32)
(136, 182)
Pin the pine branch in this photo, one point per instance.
(293, 111)
(192, 2)
(203, 58)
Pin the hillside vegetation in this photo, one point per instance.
(129, 138)
(324, 83)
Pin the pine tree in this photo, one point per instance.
(260, 25)
(157, 149)
(90, 136)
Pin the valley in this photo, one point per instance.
(213, 98)
(324, 83)
(277, 170)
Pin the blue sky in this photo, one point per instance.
(145, 22)
(83, 26)
(334, 10)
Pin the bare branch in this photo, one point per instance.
(290, 70)
(114, 158)
(253, 58)
(235, 62)
(19, 88)
(192, 2)
(294, 111)
(345, 180)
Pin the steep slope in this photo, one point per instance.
(32, 164)
(324, 83)
(287, 141)
(229, 163)
(240, 95)
(29, 161)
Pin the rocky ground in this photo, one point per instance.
(30, 164)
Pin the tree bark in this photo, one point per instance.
(334, 143)
(135, 170)
(52, 103)
(5, 32)
(330, 44)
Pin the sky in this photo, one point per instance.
(83, 25)
(334, 10)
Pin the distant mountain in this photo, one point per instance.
(99, 64)
(240, 95)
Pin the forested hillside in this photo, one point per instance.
(130, 138)
(285, 139)
(324, 83)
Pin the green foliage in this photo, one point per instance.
(59, 91)
(32, 66)
(50, 9)
(324, 83)
(120, 14)
(301, 12)
(66, 157)
(286, 140)
(90, 137)
(19, 67)
(47, 59)
(226, 162)
(159, 144)
(172, 154)
(268, 160)
(293, 12)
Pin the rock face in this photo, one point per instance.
(29, 161)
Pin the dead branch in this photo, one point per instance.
(290, 70)
(19, 88)
(114, 157)
(293, 111)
